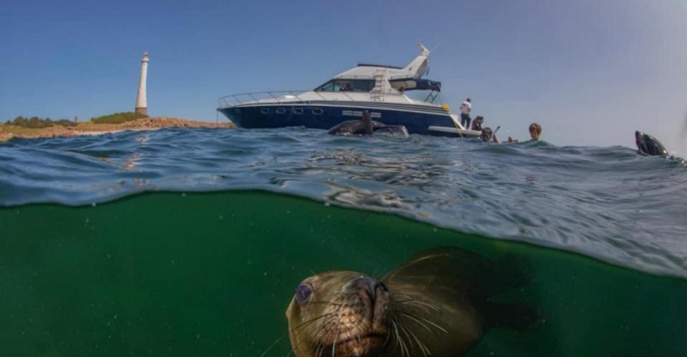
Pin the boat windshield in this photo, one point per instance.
(427, 96)
(347, 85)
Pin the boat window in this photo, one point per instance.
(347, 85)
(328, 87)
(264, 110)
(281, 110)
(317, 111)
(363, 85)
(298, 110)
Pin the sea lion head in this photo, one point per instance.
(341, 313)
(648, 145)
(368, 126)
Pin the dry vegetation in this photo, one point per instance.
(10, 131)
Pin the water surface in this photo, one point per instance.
(191, 242)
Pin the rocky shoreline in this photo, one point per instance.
(8, 132)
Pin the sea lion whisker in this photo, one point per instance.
(326, 302)
(423, 348)
(336, 337)
(305, 323)
(319, 350)
(423, 322)
(418, 304)
(320, 346)
(272, 345)
(399, 340)
(406, 333)
(312, 334)
(314, 319)
(425, 304)
(409, 300)
(425, 307)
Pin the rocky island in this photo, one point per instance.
(9, 131)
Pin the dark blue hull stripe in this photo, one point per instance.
(314, 115)
(350, 104)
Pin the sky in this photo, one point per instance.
(591, 72)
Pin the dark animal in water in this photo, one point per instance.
(437, 303)
(366, 126)
(648, 145)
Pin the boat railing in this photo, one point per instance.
(286, 96)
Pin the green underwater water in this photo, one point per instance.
(211, 274)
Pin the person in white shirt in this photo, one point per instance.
(465, 113)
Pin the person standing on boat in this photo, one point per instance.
(465, 109)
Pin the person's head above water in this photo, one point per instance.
(535, 131)
(487, 134)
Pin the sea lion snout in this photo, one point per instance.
(369, 297)
(367, 284)
(373, 288)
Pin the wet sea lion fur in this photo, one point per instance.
(437, 303)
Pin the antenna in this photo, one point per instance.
(437, 45)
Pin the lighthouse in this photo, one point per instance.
(141, 104)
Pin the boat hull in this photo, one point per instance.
(416, 119)
(454, 132)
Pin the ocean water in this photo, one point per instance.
(185, 242)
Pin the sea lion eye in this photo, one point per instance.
(303, 293)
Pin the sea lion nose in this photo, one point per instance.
(369, 285)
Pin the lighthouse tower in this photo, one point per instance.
(141, 104)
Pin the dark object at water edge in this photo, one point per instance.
(366, 126)
(648, 145)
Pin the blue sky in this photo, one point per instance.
(590, 71)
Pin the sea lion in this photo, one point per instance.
(436, 304)
(648, 145)
(366, 126)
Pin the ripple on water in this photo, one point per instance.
(607, 202)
